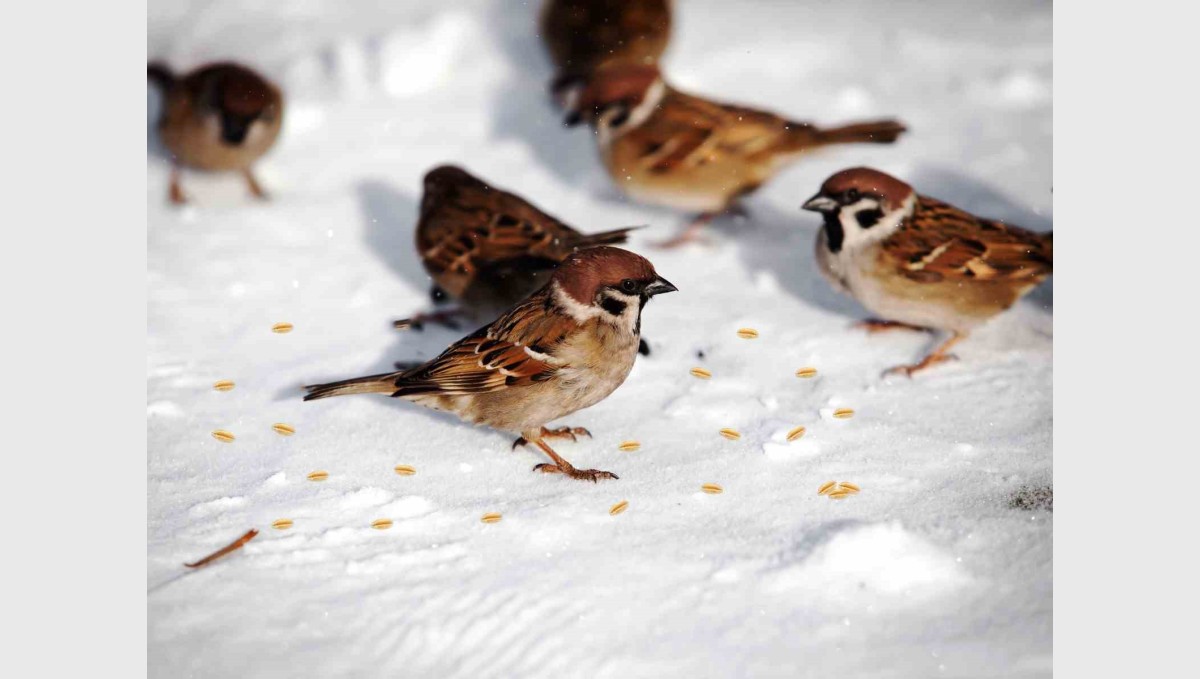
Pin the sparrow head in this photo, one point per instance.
(613, 97)
(608, 282)
(861, 205)
(239, 97)
(445, 181)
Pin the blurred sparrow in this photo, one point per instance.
(486, 248)
(666, 147)
(218, 117)
(584, 34)
(564, 348)
(919, 263)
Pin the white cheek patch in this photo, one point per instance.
(580, 312)
(854, 233)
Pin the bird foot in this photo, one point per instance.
(874, 325)
(592, 475)
(572, 433)
(928, 362)
(444, 318)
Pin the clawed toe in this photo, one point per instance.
(593, 475)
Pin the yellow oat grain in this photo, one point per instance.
(282, 328)
(318, 476)
(629, 446)
(223, 436)
(843, 413)
(282, 524)
(796, 433)
(826, 487)
(619, 507)
(839, 495)
(283, 429)
(701, 373)
(405, 470)
(731, 434)
(747, 333)
(806, 373)
(223, 385)
(381, 524)
(846, 485)
(491, 517)
(712, 489)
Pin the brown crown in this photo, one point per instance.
(891, 191)
(625, 83)
(584, 273)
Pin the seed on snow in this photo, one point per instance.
(806, 372)
(491, 517)
(283, 429)
(826, 487)
(619, 507)
(629, 446)
(701, 373)
(796, 433)
(747, 333)
(281, 328)
(405, 470)
(731, 434)
(282, 524)
(223, 436)
(381, 524)
(223, 385)
(712, 489)
(318, 476)
(843, 413)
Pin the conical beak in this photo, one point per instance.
(659, 286)
(820, 203)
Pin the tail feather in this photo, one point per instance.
(384, 383)
(160, 74)
(614, 237)
(873, 132)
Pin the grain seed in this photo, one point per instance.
(839, 495)
(701, 373)
(806, 373)
(747, 333)
(796, 433)
(731, 434)
(318, 476)
(381, 524)
(283, 429)
(223, 436)
(619, 507)
(405, 470)
(846, 485)
(629, 446)
(825, 488)
(712, 489)
(843, 413)
(282, 524)
(281, 328)
(491, 517)
(223, 385)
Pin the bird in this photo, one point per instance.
(666, 147)
(581, 35)
(566, 347)
(919, 263)
(486, 248)
(219, 117)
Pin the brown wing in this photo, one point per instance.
(941, 242)
(467, 225)
(516, 349)
(689, 131)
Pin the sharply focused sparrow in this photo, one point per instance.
(218, 117)
(584, 34)
(564, 348)
(666, 147)
(920, 263)
(486, 248)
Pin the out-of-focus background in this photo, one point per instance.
(938, 568)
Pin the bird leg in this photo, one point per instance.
(253, 184)
(443, 317)
(938, 355)
(561, 466)
(176, 191)
(874, 325)
(690, 233)
(572, 433)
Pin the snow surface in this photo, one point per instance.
(927, 572)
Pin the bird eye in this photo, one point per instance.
(629, 285)
(852, 196)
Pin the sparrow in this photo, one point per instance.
(919, 263)
(666, 147)
(564, 348)
(487, 248)
(218, 117)
(581, 35)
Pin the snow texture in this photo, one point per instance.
(927, 572)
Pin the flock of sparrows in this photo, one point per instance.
(567, 306)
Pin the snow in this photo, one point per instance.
(926, 572)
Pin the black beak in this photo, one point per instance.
(821, 203)
(659, 286)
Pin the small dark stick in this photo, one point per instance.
(233, 546)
